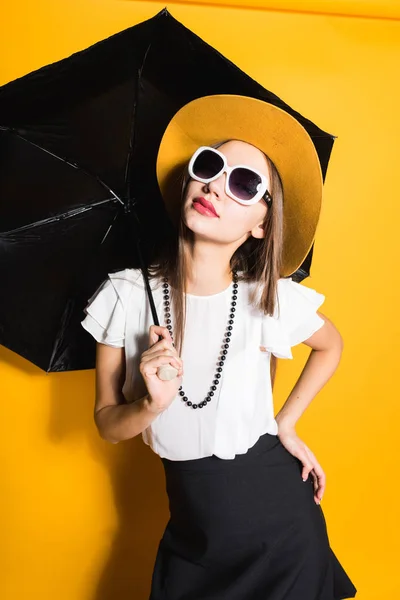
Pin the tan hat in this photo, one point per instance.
(210, 119)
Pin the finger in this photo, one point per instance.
(171, 358)
(164, 345)
(310, 463)
(319, 485)
(315, 480)
(150, 367)
(155, 331)
(316, 486)
(307, 466)
(320, 474)
(161, 347)
(317, 489)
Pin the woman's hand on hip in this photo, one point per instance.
(291, 441)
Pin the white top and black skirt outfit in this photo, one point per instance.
(243, 525)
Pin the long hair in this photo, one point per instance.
(257, 259)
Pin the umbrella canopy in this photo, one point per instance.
(78, 188)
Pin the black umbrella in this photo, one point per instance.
(78, 146)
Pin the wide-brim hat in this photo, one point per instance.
(209, 119)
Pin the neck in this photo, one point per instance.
(208, 272)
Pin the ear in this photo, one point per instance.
(258, 231)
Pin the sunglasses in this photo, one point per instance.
(243, 183)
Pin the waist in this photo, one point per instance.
(265, 443)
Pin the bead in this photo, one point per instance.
(226, 342)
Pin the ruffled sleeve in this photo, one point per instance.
(106, 310)
(295, 318)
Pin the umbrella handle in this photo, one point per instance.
(167, 372)
(164, 372)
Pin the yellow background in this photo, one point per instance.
(81, 518)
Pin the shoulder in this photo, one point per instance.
(128, 282)
(295, 317)
(287, 290)
(293, 295)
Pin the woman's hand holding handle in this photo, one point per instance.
(161, 355)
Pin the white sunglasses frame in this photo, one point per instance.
(263, 191)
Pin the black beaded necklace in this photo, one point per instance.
(225, 345)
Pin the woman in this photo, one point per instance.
(243, 488)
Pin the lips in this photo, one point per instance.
(207, 204)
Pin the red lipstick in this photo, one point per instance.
(206, 204)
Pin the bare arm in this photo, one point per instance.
(115, 419)
(327, 346)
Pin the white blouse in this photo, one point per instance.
(241, 410)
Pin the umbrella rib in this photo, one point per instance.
(72, 164)
(66, 215)
(132, 137)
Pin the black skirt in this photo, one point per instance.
(246, 528)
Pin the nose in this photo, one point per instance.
(217, 186)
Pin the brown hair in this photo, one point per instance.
(258, 259)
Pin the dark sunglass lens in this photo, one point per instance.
(244, 183)
(207, 164)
